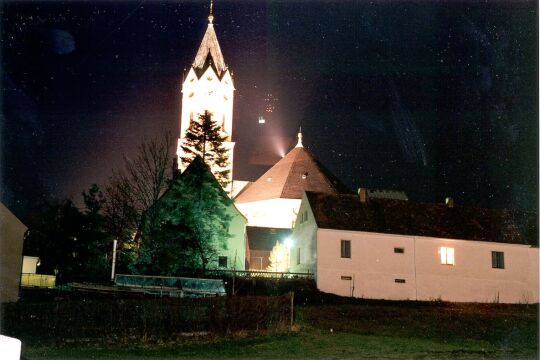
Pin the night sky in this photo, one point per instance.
(436, 99)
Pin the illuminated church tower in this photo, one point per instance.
(208, 86)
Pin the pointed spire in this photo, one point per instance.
(210, 46)
(211, 16)
(299, 144)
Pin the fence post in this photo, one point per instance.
(291, 295)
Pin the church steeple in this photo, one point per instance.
(208, 87)
(210, 47)
(299, 144)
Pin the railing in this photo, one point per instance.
(177, 286)
(261, 273)
(219, 273)
(38, 280)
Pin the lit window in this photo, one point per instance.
(447, 255)
(345, 248)
(222, 261)
(497, 259)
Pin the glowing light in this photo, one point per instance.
(288, 243)
(447, 255)
(261, 120)
(279, 258)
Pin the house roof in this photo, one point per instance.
(391, 216)
(295, 173)
(197, 164)
(260, 238)
(210, 48)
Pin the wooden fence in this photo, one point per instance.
(106, 320)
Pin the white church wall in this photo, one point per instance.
(238, 186)
(207, 93)
(211, 94)
(277, 213)
(376, 271)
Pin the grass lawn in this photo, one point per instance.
(354, 331)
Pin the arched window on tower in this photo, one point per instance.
(223, 122)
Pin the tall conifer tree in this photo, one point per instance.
(203, 138)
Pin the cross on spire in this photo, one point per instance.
(211, 16)
(299, 144)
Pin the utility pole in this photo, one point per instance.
(113, 259)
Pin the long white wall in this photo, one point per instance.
(373, 268)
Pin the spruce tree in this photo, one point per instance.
(203, 138)
(193, 226)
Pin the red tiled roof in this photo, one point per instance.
(297, 172)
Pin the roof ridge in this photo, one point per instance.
(323, 170)
(289, 172)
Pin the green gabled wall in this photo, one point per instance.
(236, 244)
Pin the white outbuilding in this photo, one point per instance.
(380, 248)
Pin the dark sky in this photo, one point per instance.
(433, 98)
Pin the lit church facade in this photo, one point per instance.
(208, 86)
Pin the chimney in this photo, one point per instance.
(362, 194)
(449, 202)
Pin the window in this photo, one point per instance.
(399, 250)
(400, 281)
(303, 217)
(346, 278)
(447, 255)
(497, 259)
(345, 248)
(222, 261)
(298, 257)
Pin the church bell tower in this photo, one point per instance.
(208, 86)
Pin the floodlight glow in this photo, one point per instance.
(288, 243)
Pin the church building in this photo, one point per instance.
(273, 200)
(208, 86)
(270, 203)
